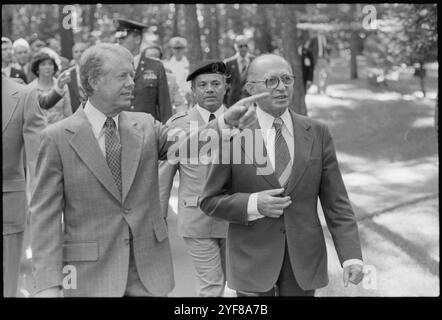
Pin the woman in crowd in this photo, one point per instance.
(45, 65)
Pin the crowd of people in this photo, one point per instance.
(86, 146)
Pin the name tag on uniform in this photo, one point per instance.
(149, 75)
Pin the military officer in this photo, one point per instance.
(151, 93)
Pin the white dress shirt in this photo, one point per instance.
(97, 120)
(205, 114)
(137, 61)
(268, 133)
(181, 70)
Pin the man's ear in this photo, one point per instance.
(93, 83)
(249, 88)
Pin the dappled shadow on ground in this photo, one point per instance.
(391, 130)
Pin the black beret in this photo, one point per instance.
(124, 26)
(207, 66)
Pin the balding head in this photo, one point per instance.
(271, 66)
(264, 63)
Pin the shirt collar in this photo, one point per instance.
(266, 120)
(239, 58)
(205, 114)
(97, 118)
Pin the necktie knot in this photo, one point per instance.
(211, 117)
(277, 123)
(110, 123)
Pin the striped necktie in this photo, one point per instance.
(113, 151)
(282, 155)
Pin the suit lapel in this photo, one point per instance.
(303, 146)
(131, 142)
(9, 104)
(86, 146)
(259, 141)
(140, 67)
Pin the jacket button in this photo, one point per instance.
(126, 210)
(282, 230)
(126, 242)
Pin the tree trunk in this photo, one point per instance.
(290, 53)
(422, 78)
(92, 9)
(176, 18)
(263, 38)
(195, 52)
(7, 20)
(66, 35)
(212, 23)
(353, 58)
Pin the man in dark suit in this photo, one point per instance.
(275, 240)
(76, 91)
(7, 67)
(151, 93)
(237, 66)
(308, 65)
(22, 122)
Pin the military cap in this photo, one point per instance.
(124, 26)
(208, 66)
(178, 42)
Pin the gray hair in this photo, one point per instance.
(21, 43)
(93, 59)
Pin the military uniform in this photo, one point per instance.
(204, 236)
(151, 93)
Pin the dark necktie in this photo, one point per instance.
(282, 155)
(211, 117)
(243, 68)
(113, 151)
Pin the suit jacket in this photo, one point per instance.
(151, 93)
(192, 222)
(18, 74)
(74, 91)
(73, 179)
(22, 122)
(236, 89)
(261, 242)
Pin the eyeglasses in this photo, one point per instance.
(243, 46)
(273, 81)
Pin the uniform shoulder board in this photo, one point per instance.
(178, 115)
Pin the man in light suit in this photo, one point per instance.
(204, 236)
(276, 245)
(22, 121)
(99, 169)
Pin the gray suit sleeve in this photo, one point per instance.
(33, 124)
(49, 100)
(46, 209)
(167, 172)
